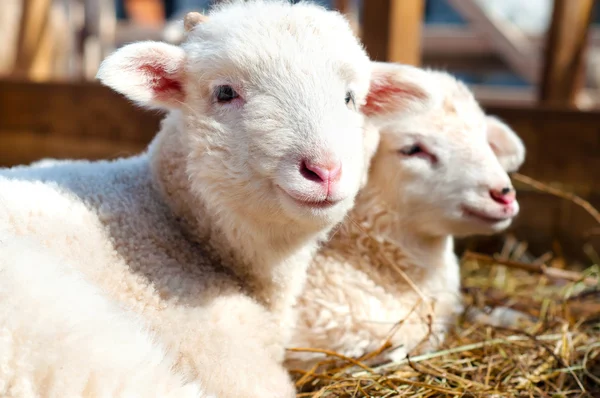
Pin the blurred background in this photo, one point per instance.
(534, 63)
(494, 45)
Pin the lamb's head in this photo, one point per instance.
(269, 95)
(447, 168)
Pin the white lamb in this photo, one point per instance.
(208, 234)
(435, 175)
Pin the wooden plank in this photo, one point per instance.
(375, 28)
(457, 40)
(98, 34)
(562, 144)
(507, 96)
(34, 45)
(405, 23)
(454, 40)
(343, 6)
(146, 12)
(478, 64)
(510, 42)
(391, 30)
(563, 71)
(82, 109)
(9, 33)
(504, 95)
(25, 147)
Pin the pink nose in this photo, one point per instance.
(504, 196)
(322, 172)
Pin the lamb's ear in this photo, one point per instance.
(505, 143)
(148, 73)
(192, 19)
(398, 89)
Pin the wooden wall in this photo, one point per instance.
(563, 148)
(69, 120)
(86, 120)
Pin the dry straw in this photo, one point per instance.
(553, 352)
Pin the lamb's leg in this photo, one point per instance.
(232, 347)
(242, 371)
(60, 337)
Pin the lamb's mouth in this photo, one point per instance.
(484, 216)
(313, 204)
(316, 205)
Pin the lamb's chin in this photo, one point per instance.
(468, 228)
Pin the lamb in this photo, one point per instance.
(435, 175)
(207, 235)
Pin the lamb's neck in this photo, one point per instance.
(275, 262)
(398, 227)
(270, 259)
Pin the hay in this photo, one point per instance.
(553, 352)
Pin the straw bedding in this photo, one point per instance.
(531, 329)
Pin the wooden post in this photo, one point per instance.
(342, 6)
(34, 46)
(392, 30)
(10, 11)
(563, 70)
(146, 12)
(98, 34)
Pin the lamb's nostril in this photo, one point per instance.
(325, 172)
(504, 196)
(308, 173)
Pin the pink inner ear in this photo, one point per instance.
(494, 148)
(383, 95)
(163, 86)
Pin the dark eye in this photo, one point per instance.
(411, 150)
(226, 94)
(349, 98)
(418, 151)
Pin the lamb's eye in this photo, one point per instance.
(418, 151)
(411, 150)
(226, 94)
(349, 97)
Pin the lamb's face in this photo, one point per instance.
(270, 94)
(281, 92)
(446, 169)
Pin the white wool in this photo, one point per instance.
(390, 270)
(79, 341)
(208, 234)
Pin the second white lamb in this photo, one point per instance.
(390, 271)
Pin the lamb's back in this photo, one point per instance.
(106, 217)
